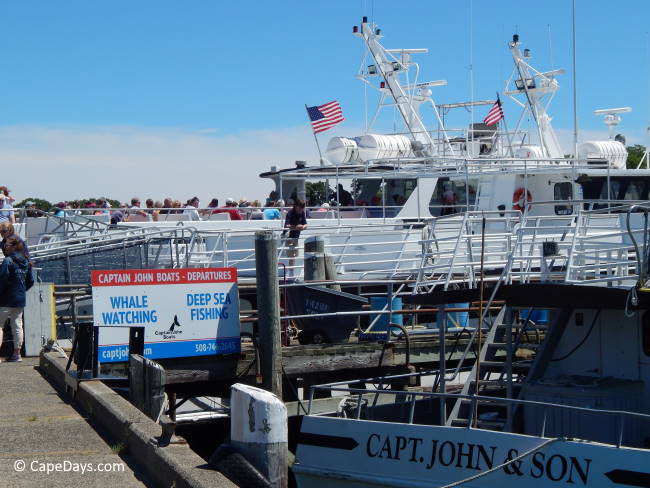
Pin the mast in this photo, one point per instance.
(535, 85)
(406, 98)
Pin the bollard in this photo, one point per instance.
(314, 259)
(258, 430)
(330, 271)
(268, 305)
(314, 266)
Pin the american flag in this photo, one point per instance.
(495, 114)
(325, 116)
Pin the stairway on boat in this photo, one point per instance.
(509, 357)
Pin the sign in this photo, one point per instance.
(185, 312)
(371, 452)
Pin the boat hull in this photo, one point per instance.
(354, 453)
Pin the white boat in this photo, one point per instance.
(576, 414)
(485, 170)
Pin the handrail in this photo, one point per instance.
(338, 387)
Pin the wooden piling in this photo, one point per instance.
(268, 305)
(330, 272)
(146, 385)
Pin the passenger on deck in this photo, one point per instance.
(191, 208)
(324, 207)
(105, 207)
(295, 222)
(59, 209)
(75, 207)
(150, 206)
(345, 198)
(6, 231)
(398, 200)
(273, 213)
(271, 199)
(214, 203)
(168, 205)
(230, 208)
(448, 200)
(135, 208)
(6, 207)
(31, 210)
(156, 213)
(117, 216)
(255, 211)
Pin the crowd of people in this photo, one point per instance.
(153, 209)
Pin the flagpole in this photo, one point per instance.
(320, 155)
(506, 127)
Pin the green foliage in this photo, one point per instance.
(315, 192)
(46, 206)
(634, 155)
(39, 203)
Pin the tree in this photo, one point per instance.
(315, 192)
(634, 155)
(39, 203)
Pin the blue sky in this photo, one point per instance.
(148, 95)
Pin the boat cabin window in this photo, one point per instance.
(614, 190)
(451, 197)
(369, 193)
(563, 191)
(634, 190)
(621, 188)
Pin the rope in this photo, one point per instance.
(501, 466)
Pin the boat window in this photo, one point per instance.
(634, 190)
(563, 191)
(615, 188)
(452, 196)
(645, 333)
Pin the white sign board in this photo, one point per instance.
(185, 312)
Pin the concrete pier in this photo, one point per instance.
(153, 462)
(42, 432)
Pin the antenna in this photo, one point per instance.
(611, 117)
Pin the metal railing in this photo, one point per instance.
(627, 422)
(593, 247)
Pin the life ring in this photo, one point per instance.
(518, 199)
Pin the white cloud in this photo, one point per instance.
(59, 163)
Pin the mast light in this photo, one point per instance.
(355, 29)
(530, 84)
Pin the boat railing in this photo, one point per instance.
(624, 420)
(592, 247)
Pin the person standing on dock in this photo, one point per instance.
(15, 280)
(295, 222)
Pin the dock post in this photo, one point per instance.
(330, 271)
(314, 259)
(258, 431)
(268, 305)
(146, 385)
